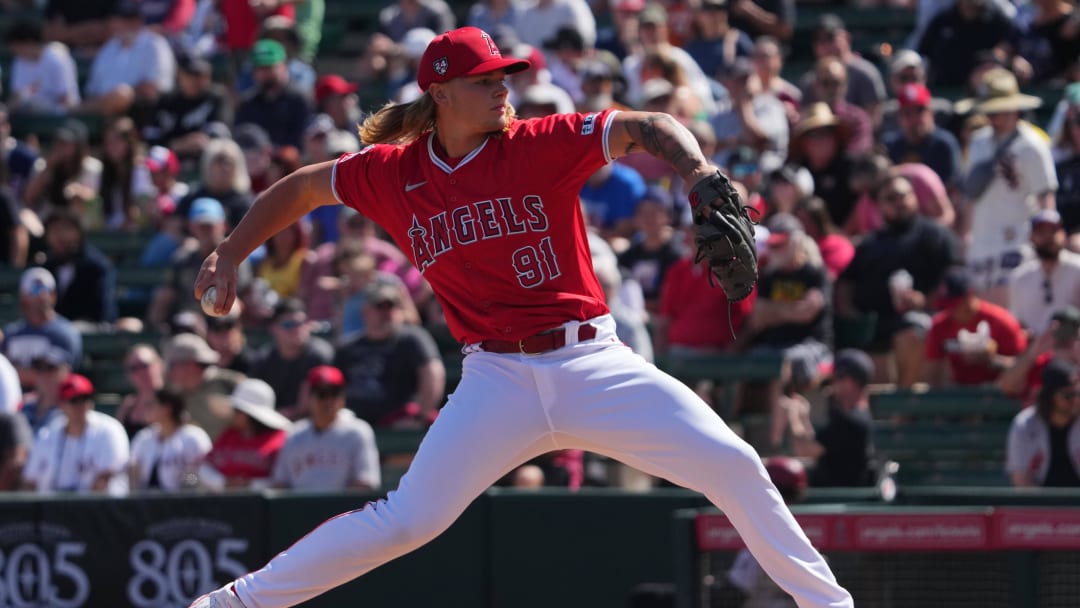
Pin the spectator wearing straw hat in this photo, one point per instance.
(819, 143)
(243, 456)
(1011, 177)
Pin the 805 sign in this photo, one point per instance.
(176, 575)
(36, 576)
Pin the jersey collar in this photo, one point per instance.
(442, 164)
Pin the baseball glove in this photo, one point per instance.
(724, 236)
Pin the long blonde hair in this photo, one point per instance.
(401, 123)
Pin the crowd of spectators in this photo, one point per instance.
(919, 223)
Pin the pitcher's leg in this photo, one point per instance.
(491, 424)
(655, 423)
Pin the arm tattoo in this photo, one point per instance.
(666, 139)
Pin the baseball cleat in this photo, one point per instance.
(221, 598)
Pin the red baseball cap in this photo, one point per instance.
(466, 51)
(74, 387)
(332, 84)
(913, 95)
(160, 158)
(325, 375)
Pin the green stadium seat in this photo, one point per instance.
(123, 247)
(396, 450)
(953, 402)
(953, 435)
(723, 368)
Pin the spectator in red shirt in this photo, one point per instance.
(970, 341)
(1061, 341)
(836, 250)
(243, 455)
(694, 316)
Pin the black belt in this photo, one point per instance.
(540, 343)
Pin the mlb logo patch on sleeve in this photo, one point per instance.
(589, 125)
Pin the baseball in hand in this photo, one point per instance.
(209, 301)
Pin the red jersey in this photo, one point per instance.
(1004, 330)
(697, 310)
(500, 236)
(234, 455)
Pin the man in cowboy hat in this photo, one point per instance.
(1010, 177)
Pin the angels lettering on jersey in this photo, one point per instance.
(496, 218)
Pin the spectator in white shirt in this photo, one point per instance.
(541, 20)
(1049, 282)
(167, 454)
(136, 65)
(43, 75)
(331, 450)
(81, 451)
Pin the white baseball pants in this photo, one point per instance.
(596, 396)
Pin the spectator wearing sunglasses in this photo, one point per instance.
(395, 375)
(225, 335)
(1041, 286)
(332, 449)
(292, 353)
(49, 370)
(1044, 441)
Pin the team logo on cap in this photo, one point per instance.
(494, 50)
(440, 66)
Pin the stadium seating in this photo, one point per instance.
(953, 436)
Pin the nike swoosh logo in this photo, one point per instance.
(411, 187)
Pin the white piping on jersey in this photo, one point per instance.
(333, 180)
(607, 132)
(440, 163)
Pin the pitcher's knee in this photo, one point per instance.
(735, 459)
(408, 529)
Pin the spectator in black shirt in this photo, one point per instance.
(655, 246)
(395, 375)
(818, 143)
(286, 361)
(85, 278)
(791, 312)
(1044, 441)
(182, 114)
(274, 105)
(918, 139)
(83, 25)
(844, 448)
(910, 243)
(957, 35)
(1067, 166)
(225, 335)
